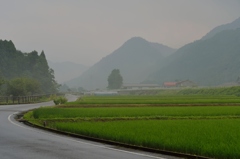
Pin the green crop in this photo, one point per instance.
(172, 99)
(173, 122)
(212, 138)
(53, 113)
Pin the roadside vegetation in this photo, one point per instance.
(205, 125)
(60, 100)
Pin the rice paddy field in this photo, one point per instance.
(170, 99)
(192, 124)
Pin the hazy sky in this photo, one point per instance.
(84, 31)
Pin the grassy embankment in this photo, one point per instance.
(148, 121)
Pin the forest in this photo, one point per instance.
(24, 73)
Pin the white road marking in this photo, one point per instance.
(95, 145)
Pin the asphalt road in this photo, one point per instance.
(18, 141)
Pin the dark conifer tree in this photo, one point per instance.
(115, 79)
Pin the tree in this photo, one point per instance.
(23, 86)
(1, 83)
(15, 64)
(115, 79)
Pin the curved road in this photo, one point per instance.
(18, 141)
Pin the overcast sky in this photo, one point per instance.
(84, 31)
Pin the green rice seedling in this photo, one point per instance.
(198, 111)
(211, 91)
(212, 138)
(171, 99)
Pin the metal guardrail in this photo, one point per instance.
(22, 99)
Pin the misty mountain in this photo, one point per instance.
(65, 71)
(209, 62)
(163, 49)
(135, 59)
(233, 25)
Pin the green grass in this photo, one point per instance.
(213, 138)
(211, 91)
(203, 111)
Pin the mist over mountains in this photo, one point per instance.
(210, 61)
(135, 59)
(230, 26)
(65, 71)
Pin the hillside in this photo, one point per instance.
(233, 25)
(14, 63)
(65, 71)
(209, 62)
(135, 59)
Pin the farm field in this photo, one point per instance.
(170, 99)
(173, 123)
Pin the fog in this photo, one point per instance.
(86, 31)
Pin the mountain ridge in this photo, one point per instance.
(208, 62)
(232, 25)
(135, 58)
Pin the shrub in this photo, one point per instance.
(60, 100)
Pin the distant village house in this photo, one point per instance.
(140, 86)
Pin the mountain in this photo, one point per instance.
(65, 71)
(208, 62)
(233, 25)
(135, 59)
(14, 64)
(163, 49)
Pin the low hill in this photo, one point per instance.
(65, 71)
(135, 59)
(208, 62)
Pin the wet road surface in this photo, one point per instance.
(18, 141)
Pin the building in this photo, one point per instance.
(169, 84)
(139, 86)
(105, 93)
(186, 83)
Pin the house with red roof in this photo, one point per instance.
(169, 84)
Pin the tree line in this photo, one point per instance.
(24, 73)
